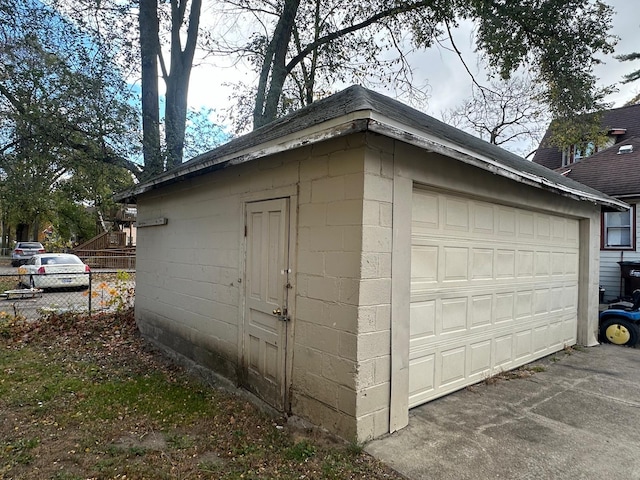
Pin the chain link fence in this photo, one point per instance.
(83, 293)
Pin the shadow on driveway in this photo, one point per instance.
(577, 419)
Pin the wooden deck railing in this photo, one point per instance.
(106, 240)
(117, 258)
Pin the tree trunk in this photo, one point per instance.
(270, 86)
(177, 80)
(149, 49)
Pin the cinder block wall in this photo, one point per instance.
(330, 217)
(189, 296)
(374, 314)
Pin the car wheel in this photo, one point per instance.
(619, 331)
(14, 263)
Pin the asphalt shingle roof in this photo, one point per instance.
(613, 173)
(624, 117)
(357, 109)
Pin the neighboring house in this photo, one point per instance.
(358, 258)
(613, 169)
(619, 124)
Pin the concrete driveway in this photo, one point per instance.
(578, 419)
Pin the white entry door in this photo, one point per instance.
(266, 289)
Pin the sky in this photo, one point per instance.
(448, 82)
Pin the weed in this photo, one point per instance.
(355, 448)
(19, 451)
(179, 442)
(537, 368)
(300, 451)
(518, 373)
(116, 296)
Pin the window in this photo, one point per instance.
(575, 152)
(618, 229)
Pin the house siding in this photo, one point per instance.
(610, 273)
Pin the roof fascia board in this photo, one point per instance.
(334, 128)
(359, 121)
(391, 128)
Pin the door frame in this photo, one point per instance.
(291, 193)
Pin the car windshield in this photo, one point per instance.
(67, 260)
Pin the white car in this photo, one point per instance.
(54, 270)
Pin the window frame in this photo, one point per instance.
(631, 226)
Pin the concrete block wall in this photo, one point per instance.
(330, 213)
(189, 297)
(374, 313)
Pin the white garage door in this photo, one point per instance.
(492, 288)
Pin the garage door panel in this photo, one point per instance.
(503, 350)
(540, 339)
(453, 315)
(505, 263)
(456, 264)
(542, 265)
(456, 214)
(506, 222)
(526, 222)
(543, 230)
(425, 267)
(571, 263)
(481, 310)
(483, 219)
(524, 301)
(423, 317)
(452, 365)
(492, 288)
(422, 383)
(479, 357)
(525, 263)
(481, 263)
(523, 344)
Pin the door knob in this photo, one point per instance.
(277, 311)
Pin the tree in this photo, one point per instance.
(506, 113)
(556, 39)
(63, 109)
(635, 75)
(176, 78)
(163, 44)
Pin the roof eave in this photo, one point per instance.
(360, 121)
(348, 124)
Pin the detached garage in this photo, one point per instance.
(359, 258)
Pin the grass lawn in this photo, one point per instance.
(87, 398)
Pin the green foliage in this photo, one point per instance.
(558, 39)
(635, 75)
(307, 47)
(579, 130)
(118, 295)
(300, 451)
(64, 111)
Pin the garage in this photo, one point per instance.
(411, 259)
(492, 287)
